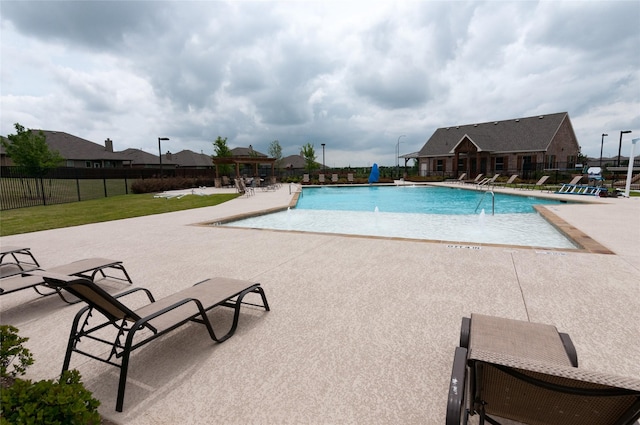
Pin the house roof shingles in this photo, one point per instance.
(139, 157)
(187, 158)
(514, 135)
(75, 148)
(249, 152)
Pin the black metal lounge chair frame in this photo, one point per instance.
(459, 409)
(89, 273)
(14, 251)
(125, 329)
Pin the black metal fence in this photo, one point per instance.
(18, 189)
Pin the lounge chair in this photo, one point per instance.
(527, 372)
(507, 183)
(570, 187)
(15, 251)
(132, 329)
(87, 268)
(239, 186)
(488, 181)
(537, 185)
(305, 178)
(321, 178)
(350, 177)
(243, 188)
(334, 178)
(459, 179)
(476, 180)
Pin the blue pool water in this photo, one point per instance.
(414, 199)
(418, 212)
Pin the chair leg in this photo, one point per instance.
(73, 337)
(124, 368)
(236, 313)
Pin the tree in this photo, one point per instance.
(275, 151)
(29, 150)
(309, 155)
(222, 151)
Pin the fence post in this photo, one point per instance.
(44, 196)
(77, 184)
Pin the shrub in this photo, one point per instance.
(64, 401)
(11, 349)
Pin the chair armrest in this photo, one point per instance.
(569, 348)
(133, 290)
(456, 412)
(465, 330)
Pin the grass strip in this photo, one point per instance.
(34, 219)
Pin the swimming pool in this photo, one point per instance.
(414, 199)
(417, 212)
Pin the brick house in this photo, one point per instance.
(517, 146)
(78, 152)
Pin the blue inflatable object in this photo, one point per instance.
(375, 174)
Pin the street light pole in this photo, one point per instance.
(323, 167)
(160, 152)
(620, 145)
(398, 156)
(602, 144)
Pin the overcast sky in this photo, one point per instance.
(353, 75)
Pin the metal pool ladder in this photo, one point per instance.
(493, 201)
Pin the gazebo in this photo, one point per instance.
(244, 156)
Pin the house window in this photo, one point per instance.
(500, 163)
(440, 165)
(87, 164)
(571, 161)
(550, 162)
(96, 165)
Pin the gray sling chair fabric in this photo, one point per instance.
(133, 329)
(527, 372)
(19, 279)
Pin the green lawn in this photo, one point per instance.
(32, 219)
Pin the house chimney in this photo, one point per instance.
(168, 155)
(108, 145)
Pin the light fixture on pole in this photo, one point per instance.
(601, 145)
(323, 167)
(620, 145)
(160, 152)
(398, 156)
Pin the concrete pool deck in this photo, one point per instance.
(361, 330)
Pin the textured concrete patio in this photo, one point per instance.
(362, 330)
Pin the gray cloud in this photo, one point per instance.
(352, 75)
